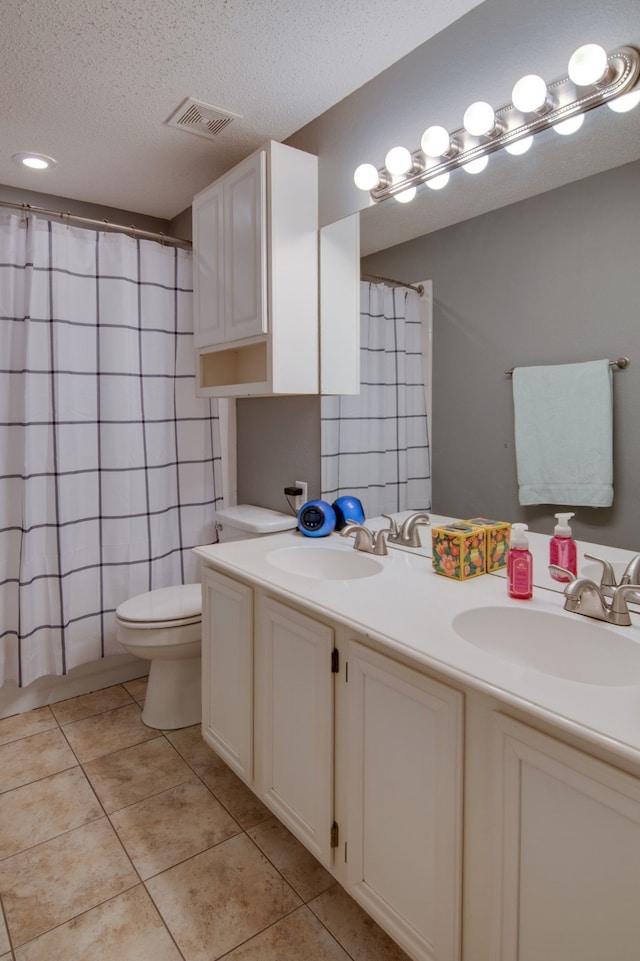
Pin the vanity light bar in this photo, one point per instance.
(565, 99)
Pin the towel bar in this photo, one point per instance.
(621, 363)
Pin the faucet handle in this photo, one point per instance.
(555, 569)
(608, 578)
(620, 613)
(632, 572)
(393, 526)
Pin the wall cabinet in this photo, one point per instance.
(255, 240)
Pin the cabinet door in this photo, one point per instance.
(404, 802)
(245, 253)
(568, 852)
(227, 670)
(294, 722)
(208, 277)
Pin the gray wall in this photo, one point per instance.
(553, 279)
(278, 443)
(83, 209)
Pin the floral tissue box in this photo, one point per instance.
(497, 546)
(459, 550)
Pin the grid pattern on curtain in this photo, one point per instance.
(375, 445)
(109, 463)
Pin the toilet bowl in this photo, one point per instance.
(164, 626)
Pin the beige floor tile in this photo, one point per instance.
(76, 708)
(34, 757)
(359, 934)
(196, 752)
(105, 733)
(303, 872)
(6, 957)
(36, 812)
(63, 877)
(4, 936)
(172, 826)
(136, 773)
(126, 928)
(240, 802)
(137, 688)
(220, 898)
(23, 725)
(299, 935)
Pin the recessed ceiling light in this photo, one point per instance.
(36, 161)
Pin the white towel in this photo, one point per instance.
(564, 434)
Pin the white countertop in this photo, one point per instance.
(409, 608)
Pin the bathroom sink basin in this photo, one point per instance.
(575, 648)
(324, 563)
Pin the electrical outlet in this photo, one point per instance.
(302, 498)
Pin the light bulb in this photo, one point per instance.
(588, 65)
(479, 119)
(366, 177)
(437, 183)
(476, 166)
(566, 127)
(406, 196)
(398, 161)
(435, 141)
(529, 94)
(36, 161)
(626, 102)
(519, 147)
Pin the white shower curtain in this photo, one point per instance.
(109, 464)
(375, 445)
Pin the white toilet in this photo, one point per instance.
(164, 626)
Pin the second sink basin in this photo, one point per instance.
(574, 648)
(324, 563)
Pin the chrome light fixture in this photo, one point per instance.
(593, 78)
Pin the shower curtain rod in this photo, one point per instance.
(419, 289)
(100, 224)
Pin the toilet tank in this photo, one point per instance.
(244, 521)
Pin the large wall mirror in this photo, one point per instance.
(537, 264)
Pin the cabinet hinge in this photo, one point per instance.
(335, 660)
(335, 835)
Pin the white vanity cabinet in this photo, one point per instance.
(294, 721)
(567, 842)
(227, 670)
(403, 775)
(255, 243)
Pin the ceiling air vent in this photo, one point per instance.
(203, 119)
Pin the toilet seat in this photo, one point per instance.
(170, 607)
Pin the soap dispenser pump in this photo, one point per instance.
(562, 548)
(519, 565)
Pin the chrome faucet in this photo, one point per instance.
(584, 596)
(371, 542)
(407, 534)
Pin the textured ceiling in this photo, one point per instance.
(92, 83)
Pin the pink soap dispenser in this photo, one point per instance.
(519, 565)
(562, 548)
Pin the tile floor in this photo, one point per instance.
(122, 842)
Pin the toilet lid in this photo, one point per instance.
(165, 604)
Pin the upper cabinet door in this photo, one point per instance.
(245, 261)
(208, 274)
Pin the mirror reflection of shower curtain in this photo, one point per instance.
(375, 445)
(109, 463)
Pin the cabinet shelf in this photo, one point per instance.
(241, 368)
